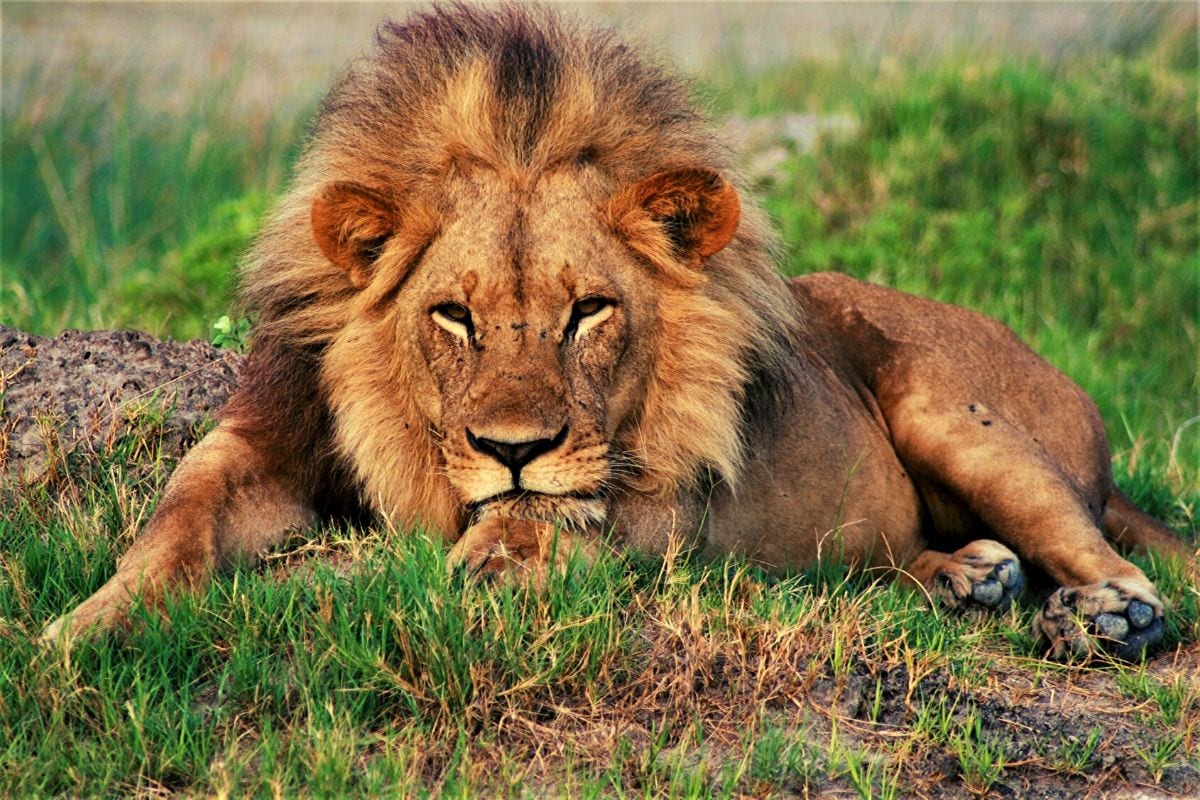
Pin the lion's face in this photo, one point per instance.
(520, 324)
(526, 310)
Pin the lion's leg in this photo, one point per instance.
(225, 501)
(1134, 530)
(1011, 484)
(982, 575)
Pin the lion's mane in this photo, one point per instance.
(520, 92)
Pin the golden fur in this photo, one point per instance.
(515, 286)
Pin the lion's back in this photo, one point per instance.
(903, 345)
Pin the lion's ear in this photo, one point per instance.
(681, 215)
(352, 224)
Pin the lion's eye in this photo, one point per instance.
(454, 311)
(589, 306)
(587, 314)
(454, 318)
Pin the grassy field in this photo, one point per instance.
(1059, 195)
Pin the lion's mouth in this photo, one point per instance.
(575, 510)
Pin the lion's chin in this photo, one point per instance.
(570, 511)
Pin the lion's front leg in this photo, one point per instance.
(225, 501)
(517, 548)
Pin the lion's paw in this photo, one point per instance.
(1120, 617)
(499, 546)
(983, 575)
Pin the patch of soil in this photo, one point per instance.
(1036, 719)
(83, 389)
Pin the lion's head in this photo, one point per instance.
(522, 263)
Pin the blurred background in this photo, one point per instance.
(1037, 162)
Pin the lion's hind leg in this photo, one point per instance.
(984, 575)
(1022, 494)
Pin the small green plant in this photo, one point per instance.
(1160, 754)
(1169, 701)
(935, 719)
(781, 759)
(1075, 754)
(870, 773)
(231, 334)
(982, 759)
(871, 776)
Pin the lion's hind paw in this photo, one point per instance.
(1120, 617)
(984, 575)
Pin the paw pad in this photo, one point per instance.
(1139, 613)
(1000, 587)
(1128, 636)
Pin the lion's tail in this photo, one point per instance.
(1130, 528)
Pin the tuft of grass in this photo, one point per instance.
(1076, 755)
(1160, 754)
(779, 760)
(982, 759)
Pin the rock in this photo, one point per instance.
(84, 389)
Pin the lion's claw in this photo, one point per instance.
(1119, 617)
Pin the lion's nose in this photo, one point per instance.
(515, 455)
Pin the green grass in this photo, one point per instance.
(1061, 198)
(118, 211)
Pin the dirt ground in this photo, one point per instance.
(1033, 717)
(80, 391)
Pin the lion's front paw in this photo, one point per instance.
(513, 548)
(1121, 617)
(497, 545)
(108, 608)
(983, 575)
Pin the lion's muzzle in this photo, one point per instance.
(515, 455)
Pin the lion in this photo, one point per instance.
(517, 293)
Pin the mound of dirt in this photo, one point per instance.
(84, 390)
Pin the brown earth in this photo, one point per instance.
(81, 391)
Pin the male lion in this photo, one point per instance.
(515, 294)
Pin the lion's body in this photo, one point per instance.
(512, 289)
(887, 363)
